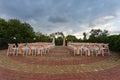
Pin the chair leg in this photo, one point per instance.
(14, 52)
(102, 52)
(32, 52)
(8, 52)
(27, 52)
(92, 53)
(81, 52)
(17, 53)
(38, 52)
(41, 52)
(23, 53)
(96, 53)
(35, 52)
(45, 51)
(75, 51)
(108, 52)
(48, 50)
(85, 53)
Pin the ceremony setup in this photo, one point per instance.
(46, 60)
(40, 48)
(59, 39)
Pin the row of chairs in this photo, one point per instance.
(29, 49)
(89, 48)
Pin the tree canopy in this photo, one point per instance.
(71, 38)
(95, 33)
(15, 28)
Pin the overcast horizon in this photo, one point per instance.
(68, 16)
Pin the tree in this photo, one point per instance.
(104, 33)
(84, 34)
(95, 33)
(42, 37)
(3, 27)
(59, 41)
(15, 28)
(71, 38)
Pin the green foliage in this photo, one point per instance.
(71, 38)
(104, 33)
(15, 28)
(114, 41)
(3, 43)
(84, 34)
(95, 33)
(59, 41)
(42, 38)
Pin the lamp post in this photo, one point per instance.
(14, 38)
(16, 45)
(34, 39)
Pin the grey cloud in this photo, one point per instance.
(115, 32)
(53, 14)
(57, 19)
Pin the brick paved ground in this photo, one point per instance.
(59, 68)
(59, 61)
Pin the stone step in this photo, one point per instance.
(60, 49)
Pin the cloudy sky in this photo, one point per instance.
(69, 16)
